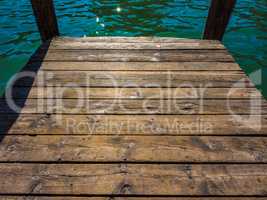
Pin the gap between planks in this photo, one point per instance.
(112, 197)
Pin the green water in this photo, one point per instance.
(246, 36)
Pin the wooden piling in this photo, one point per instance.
(218, 18)
(46, 18)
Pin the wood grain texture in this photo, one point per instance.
(159, 118)
(139, 66)
(233, 79)
(148, 106)
(134, 93)
(133, 149)
(137, 55)
(118, 39)
(132, 179)
(134, 124)
(201, 44)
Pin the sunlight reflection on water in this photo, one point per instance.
(246, 36)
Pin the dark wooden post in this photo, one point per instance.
(219, 16)
(46, 18)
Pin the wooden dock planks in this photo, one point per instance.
(141, 79)
(181, 122)
(166, 149)
(177, 125)
(140, 179)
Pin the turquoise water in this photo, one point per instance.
(246, 36)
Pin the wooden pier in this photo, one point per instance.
(132, 118)
(142, 128)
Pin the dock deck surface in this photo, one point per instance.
(133, 119)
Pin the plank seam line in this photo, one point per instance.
(125, 195)
(183, 41)
(223, 50)
(238, 88)
(130, 114)
(96, 61)
(77, 114)
(136, 70)
(32, 62)
(53, 48)
(138, 135)
(64, 162)
(140, 99)
(143, 87)
(123, 114)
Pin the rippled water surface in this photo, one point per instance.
(246, 36)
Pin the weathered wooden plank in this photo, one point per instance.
(133, 124)
(218, 18)
(115, 179)
(140, 66)
(133, 106)
(125, 198)
(46, 18)
(133, 149)
(118, 39)
(202, 44)
(137, 55)
(134, 93)
(235, 79)
(106, 136)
